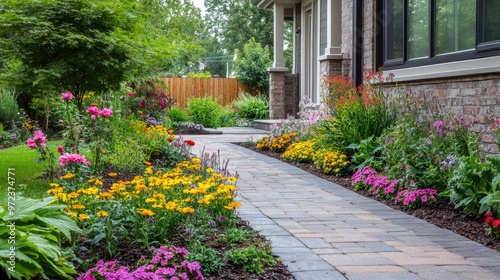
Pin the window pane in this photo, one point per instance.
(492, 20)
(455, 25)
(394, 28)
(418, 28)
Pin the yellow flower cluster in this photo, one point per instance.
(180, 191)
(300, 151)
(332, 162)
(277, 144)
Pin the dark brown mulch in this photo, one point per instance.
(189, 131)
(441, 214)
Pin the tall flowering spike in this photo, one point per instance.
(66, 96)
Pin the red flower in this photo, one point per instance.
(488, 214)
(489, 221)
(496, 223)
(170, 139)
(189, 142)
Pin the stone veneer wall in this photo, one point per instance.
(472, 96)
(283, 95)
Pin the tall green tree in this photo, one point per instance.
(84, 45)
(229, 24)
(252, 63)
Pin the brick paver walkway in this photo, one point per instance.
(323, 231)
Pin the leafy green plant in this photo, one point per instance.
(205, 111)
(235, 235)
(228, 117)
(252, 259)
(474, 185)
(251, 107)
(357, 113)
(365, 153)
(34, 229)
(127, 156)
(8, 107)
(209, 259)
(176, 114)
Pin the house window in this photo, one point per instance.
(423, 32)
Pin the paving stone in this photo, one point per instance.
(319, 275)
(382, 275)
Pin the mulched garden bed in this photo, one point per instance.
(129, 252)
(441, 214)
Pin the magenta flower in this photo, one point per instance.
(67, 96)
(92, 117)
(60, 149)
(106, 112)
(38, 139)
(60, 121)
(131, 94)
(68, 158)
(93, 110)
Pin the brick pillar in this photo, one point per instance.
(277, 95)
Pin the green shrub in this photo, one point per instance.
(205, 111)
(227, 117)
(8, 108)
(251, 107)
(128, 156)
(176, 114)
(38, 227)
(252, 259)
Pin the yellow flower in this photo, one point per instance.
(78, 207)
(83, 217)
(140, 188)
(106, 195)
(54, 185)
(210, 170)
(91, 180)
(112, 174)
(68, 176)
(171, 205)
(147, 163)
(145, 212)
(73, 195)
(233, 205)
(204, 201)
(186, 210)
(149, 170)
(102, 214)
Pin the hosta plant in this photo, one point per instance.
(32, 230)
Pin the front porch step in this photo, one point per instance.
(265, 124)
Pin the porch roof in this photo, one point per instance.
(268, 4)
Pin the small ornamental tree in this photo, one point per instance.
(252, 64)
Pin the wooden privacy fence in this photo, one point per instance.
(224, 89)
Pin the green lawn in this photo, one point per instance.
(27, 169)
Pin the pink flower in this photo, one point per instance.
(68, 158)
(93, 110)
(38, 139)
(67, 96)
(106, 112)
(92, 117)
(131, 94)
(60, 149)
(60, 121)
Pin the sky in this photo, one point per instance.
(200, 4)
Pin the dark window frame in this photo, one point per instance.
(483, 49)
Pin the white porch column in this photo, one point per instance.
(334, 29)
(279, 19)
